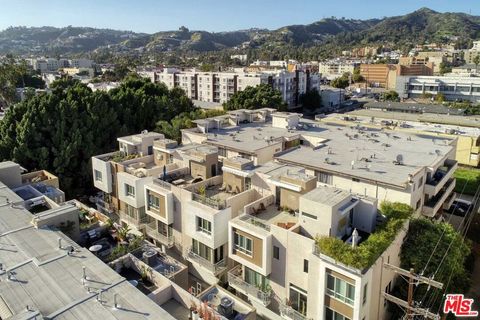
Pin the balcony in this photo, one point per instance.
(131, 220)
(152, 231)
(235, 280)
(434, 204)
(434, 185)
(215, 268)
(287, 312)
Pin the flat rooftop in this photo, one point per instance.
(414, 107)
(254, 136)
(327, 195)
(462, 121)
(373, 153)
(45, 278)
(137, 138)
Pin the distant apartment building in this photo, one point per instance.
(46, 65)
(470, 54)
(218, 87)
(453, 88)
(332, 70)
(239, 57)
(364, 51)
(245, 196)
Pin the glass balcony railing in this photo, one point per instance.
(152, 231)
(215, 268)
(235, 279)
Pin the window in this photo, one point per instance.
(222, 152)
(324, 177)
(98, 176)
(340, 289)
(129, 190)
(420, 182)
(419, 202)
(202, 250)
(243, 244)
(334, 315)
(204, 226)
(153, 202)
(364, 297)
(298, 298)
(256, 279)
(276, 252)
(308, 215)
(305, 265)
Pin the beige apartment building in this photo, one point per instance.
(245, 196)
(218, 87)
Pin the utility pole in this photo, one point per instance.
(413, 279)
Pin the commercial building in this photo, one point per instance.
(246, 195)
(46, 275)
(218, 87)
(453, 88)
(385, 75)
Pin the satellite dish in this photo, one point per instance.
(144, 131)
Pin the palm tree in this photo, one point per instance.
(123, 232)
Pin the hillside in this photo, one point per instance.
(324, 37)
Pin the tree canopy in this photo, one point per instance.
(341, 82)
(60, 131)
(261, 96)
(311, 99)
(445, 261)
(390, 96)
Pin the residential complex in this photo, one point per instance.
(453, 88)
(435, 125)
(244, 198)
(219, 87)
(469, 55)
(45, 65)
(44, 273)
(332, 69)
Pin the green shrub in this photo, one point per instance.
(368, 251)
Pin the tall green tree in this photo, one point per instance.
(341, 82)
(434, 249)
(311, 100)
(60, 131)
(261, 96)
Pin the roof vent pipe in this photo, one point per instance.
(354, 238)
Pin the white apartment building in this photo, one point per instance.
(220, 86)
(453, 88)
(45, 65)
(245, 197)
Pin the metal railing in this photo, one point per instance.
(163, 184)
(290, 313)
(254, 221)
(236, 280)
(211, 202)
(152, 231)
(131, 220)
(215, 268)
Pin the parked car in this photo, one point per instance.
(460, 207)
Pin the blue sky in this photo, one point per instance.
(151, 16)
